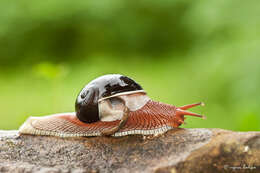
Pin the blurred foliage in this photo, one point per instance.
(180, 51)
(49, 71)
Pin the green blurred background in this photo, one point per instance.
(181, 52)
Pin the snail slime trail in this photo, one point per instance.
(111, 105)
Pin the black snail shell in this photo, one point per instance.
(87, 101)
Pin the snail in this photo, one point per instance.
(111, 105)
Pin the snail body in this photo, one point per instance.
(111, 105)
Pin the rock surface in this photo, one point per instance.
(179, 150)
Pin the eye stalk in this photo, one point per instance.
(86, 105)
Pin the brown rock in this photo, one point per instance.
(179, 150)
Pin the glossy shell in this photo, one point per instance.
(87, 101)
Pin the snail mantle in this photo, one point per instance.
(177, 150)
